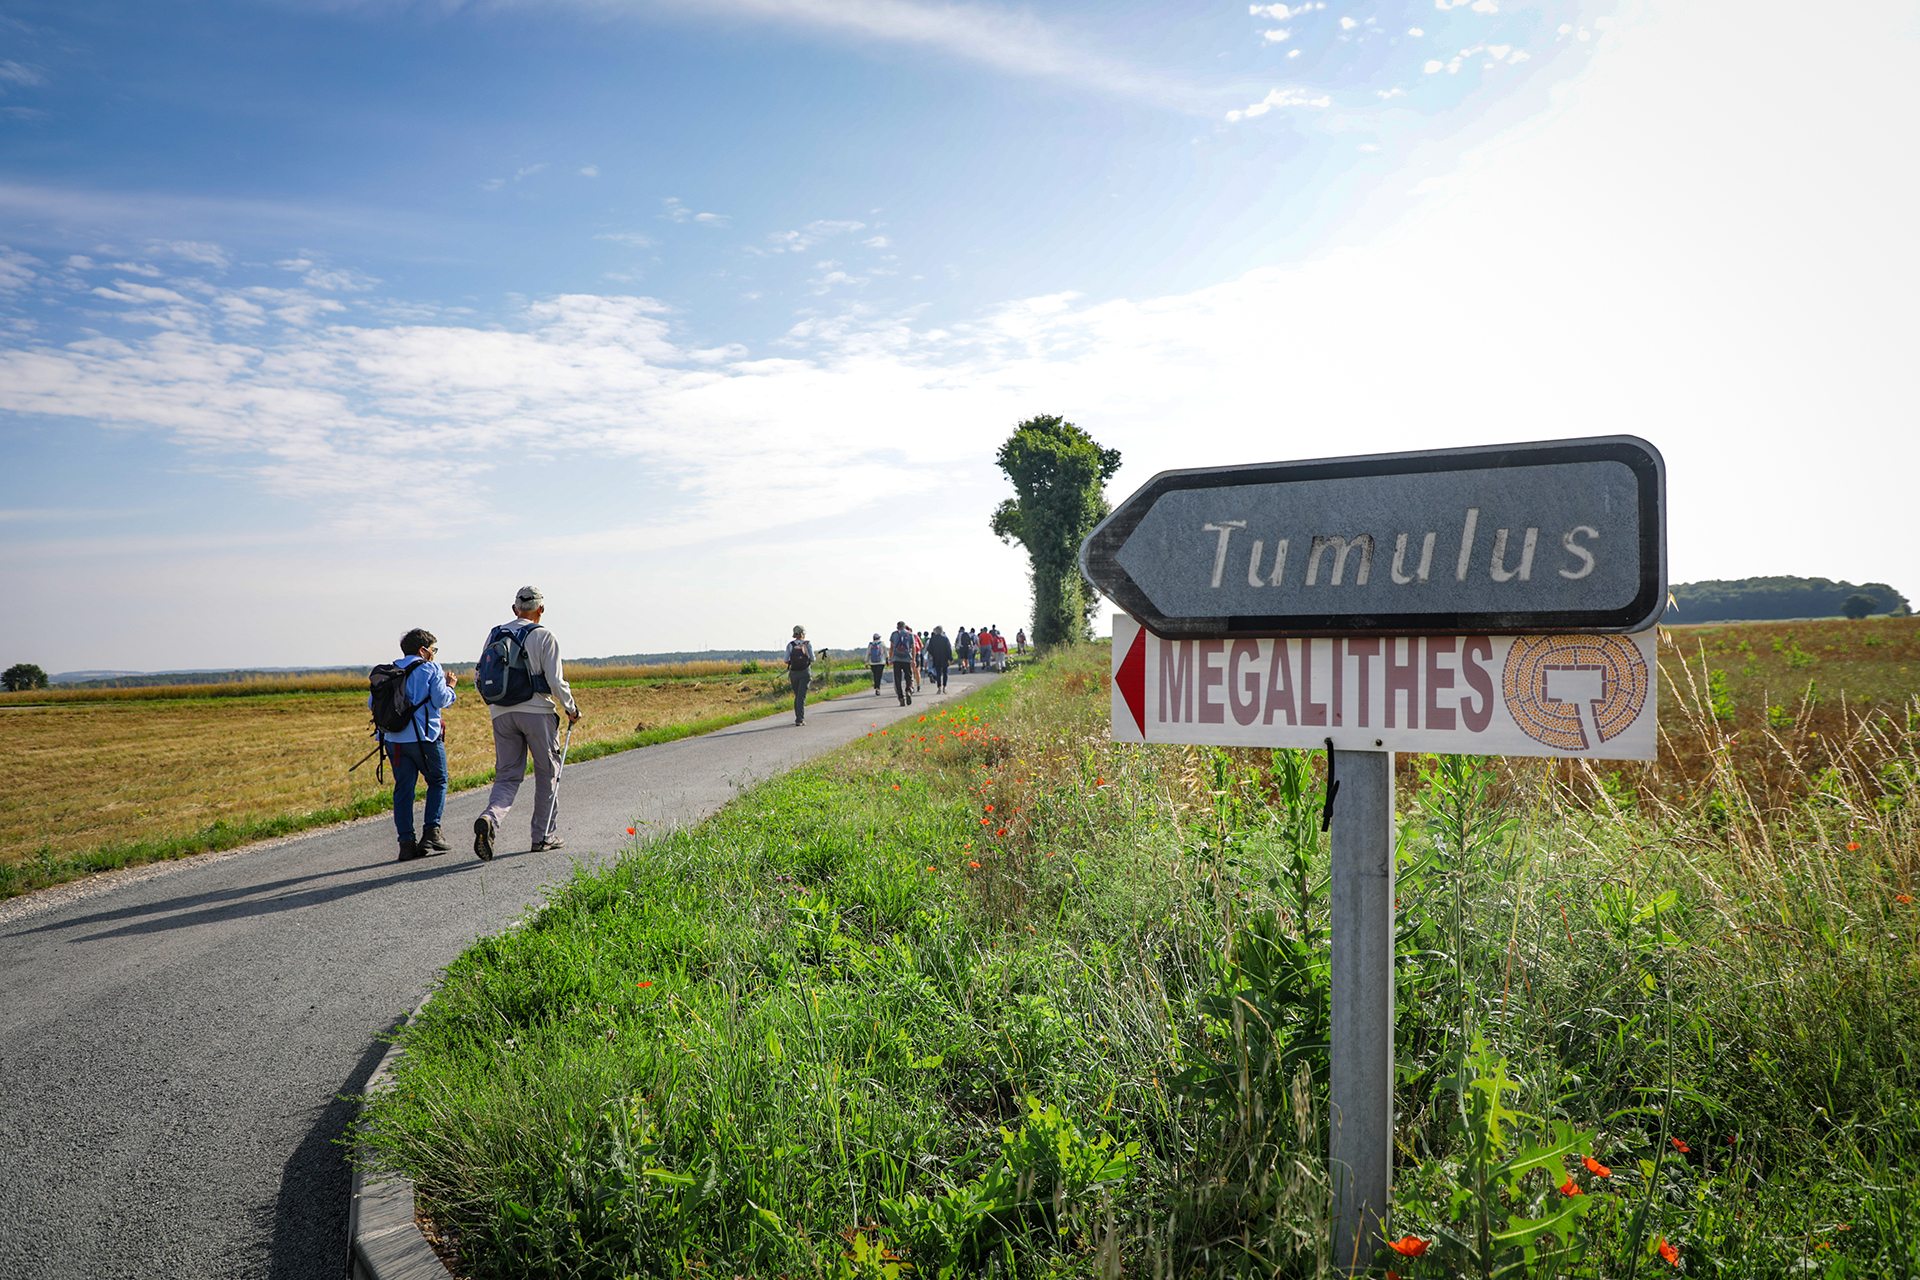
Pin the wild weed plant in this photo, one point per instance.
(991, 995)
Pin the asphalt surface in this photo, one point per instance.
(176, 1041)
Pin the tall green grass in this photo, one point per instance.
(988, 994)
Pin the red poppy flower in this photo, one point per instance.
(1571, 1188)
(973, 866)
(1853, 846)
(1681, 1147)
(1409, 1246)
(1670, 1253)
(1595, 1168)
(647, 983)
(1001, 832)
(629, 830)
(989, 808)
(1904, 899)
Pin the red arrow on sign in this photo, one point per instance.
(1131, 680)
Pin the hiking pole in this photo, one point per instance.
(553, 814)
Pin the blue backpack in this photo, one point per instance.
(504, 677)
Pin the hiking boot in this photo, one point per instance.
(551, 842)
(483, 838)
(431, 841)
(409, 851)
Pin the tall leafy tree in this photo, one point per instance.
(1057, 472)
(23, 675)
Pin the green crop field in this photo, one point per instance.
(986, 994)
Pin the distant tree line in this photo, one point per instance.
(1766, 599)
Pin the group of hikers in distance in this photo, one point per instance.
(522, 680)
(916, 657)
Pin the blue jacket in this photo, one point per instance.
(426, 685)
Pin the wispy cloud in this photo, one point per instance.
(1016, 43)
(675, 210)
(1279, 99)
(20, 75)
(805, 238)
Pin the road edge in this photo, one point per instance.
(383, 1240)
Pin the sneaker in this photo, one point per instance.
(551, 842)
(483, 838)
(409, 851)
(431, 842)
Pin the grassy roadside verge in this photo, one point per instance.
(45, 868)
(987, 994)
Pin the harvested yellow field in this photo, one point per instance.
(115, 771)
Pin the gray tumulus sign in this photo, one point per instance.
(1555, 536)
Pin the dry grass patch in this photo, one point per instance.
(116, 771)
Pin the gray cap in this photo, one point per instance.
(527, 599)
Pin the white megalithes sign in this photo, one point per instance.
(1587, 696)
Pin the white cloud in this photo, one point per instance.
(814, 233)
(21, 75)
(676, 211)
(1277, 35)
(588, 171)
(1279, 98)
(16, 269)
(1389, 94)
(331, 279)
(1348, 24)
(200, 251)
(1014, 42)
(632, 239)
(877, 242)
(1415, 31)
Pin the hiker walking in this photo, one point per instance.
(964, 649)
(419, 750)
(1020, 640)
(799, 667)
(939, 657)
(902, 644)
(877, 661)
(521, 680)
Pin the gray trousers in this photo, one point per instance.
(516, 736)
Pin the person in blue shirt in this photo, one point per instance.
(420, 749)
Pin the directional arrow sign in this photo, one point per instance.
(1554, 537)
(1590, 696)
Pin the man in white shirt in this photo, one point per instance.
(529, 727)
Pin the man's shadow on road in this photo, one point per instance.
(225, 904)
(308, 1219)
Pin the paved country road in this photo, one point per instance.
(174, 1041)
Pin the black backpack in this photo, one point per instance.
(388, 685)
(504, 677)
(799, 654)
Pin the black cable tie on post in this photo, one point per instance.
(1333, 789)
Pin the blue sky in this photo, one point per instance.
(320, 319)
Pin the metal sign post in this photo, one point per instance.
(1450, 600)
(1360, 1145)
